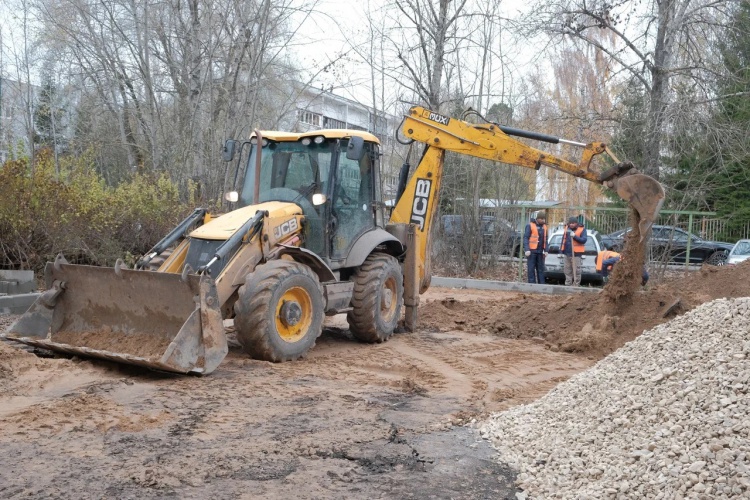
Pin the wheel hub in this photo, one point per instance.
(386, 298)
(291, 313)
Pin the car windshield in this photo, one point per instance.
(288, 170)
(672, 233)
(742, 248)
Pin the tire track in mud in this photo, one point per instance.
(350, 420)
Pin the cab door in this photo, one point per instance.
(353, 193)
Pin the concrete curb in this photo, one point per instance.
(16, 282)
(510, 286)
(17, 304)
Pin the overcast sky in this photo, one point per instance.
(321, 39)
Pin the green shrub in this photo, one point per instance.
(72, 211)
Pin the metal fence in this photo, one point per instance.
(711, 229)
(481, 238)
(607, 220)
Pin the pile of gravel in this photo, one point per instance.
(666, 416)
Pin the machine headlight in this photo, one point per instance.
(319, 139)
(318, 199)
(306, 141)
(232, 196)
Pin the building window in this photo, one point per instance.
(309, 117)
(333, 123)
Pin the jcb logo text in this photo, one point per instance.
(285, 228)
(421, 199)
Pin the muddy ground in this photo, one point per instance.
(349, 421)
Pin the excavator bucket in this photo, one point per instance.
(161, 321)
(645, 195)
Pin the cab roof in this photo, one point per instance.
(336, 133)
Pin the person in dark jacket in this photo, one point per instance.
(572, 248)
(535, 247)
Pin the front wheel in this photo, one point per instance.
(718, 258)
(279, 311)
(155, 263)
(376, 302)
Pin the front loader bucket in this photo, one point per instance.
(156, 320)
(645, 195)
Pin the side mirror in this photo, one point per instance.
(554, 249)
(229, 147)
(355, 148)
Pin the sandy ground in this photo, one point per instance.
(348, 421)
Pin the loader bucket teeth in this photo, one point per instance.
(645, 195)
(154, 320)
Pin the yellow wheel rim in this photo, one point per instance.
(294, 314)
(388, 299)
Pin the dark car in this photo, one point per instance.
(670, 244)
(499, 237)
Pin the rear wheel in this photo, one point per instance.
(376, 302)
(718, 258)
(279, 311)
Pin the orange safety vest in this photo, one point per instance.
(577, 247)
(534, 237)
(604, 255)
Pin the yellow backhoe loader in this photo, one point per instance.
(306, 236)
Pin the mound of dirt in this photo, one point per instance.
(592, 324)
(14, 360)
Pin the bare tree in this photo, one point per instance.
(654, 43)
(424, 36)
(178, 77)
(21, 48)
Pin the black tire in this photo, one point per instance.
(377, 299)
(155, 263)
(279, 311)
(718, 258)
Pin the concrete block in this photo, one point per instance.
(510, 286)
(17, 304)
(15, 282)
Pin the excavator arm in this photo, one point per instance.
(417, 203)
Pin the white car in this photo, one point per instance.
(740, 252)
(553, 263)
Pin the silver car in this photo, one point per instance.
(553, 263)
(740, 252)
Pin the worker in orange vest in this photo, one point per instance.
(572, 248)
(605, 260)
(535, 247)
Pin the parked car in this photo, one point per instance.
(499, 237)
(670, 243)
(553, 263)
(740, 252)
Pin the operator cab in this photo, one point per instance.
(332, 175)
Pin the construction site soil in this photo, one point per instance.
(347, 421)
